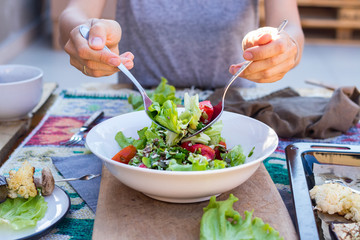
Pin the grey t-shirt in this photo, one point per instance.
(189, 42)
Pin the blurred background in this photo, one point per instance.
(29, 35)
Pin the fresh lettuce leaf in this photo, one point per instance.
(166, 115)
(235, 155)
(173, 138)
(175, 166)
(136, 102)
(146, 161)
(217, 164)
(162, 93)
(200, 138)
(141, 142)
(221, 221)
(192, 112)
(199, 162)
(126, 141)
(251, 152)
(20, 213)
(214, 132)
(154, 110)
(122, 140)
(152, 135)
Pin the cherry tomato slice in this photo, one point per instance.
(125, 154)
(207, 111)
(201, 148)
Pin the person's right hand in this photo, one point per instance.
(89, 56)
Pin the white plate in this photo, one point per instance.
(58, 206)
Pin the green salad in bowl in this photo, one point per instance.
(169, 165)
(157, 148)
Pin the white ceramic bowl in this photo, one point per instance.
(20, 91)
(176, 186)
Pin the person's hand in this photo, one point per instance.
(273, 55)
(89, 56)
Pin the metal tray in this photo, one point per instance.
(300, 159)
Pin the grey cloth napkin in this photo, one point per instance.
(292, 115)
(77, 166)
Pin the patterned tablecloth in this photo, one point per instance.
(71, 110)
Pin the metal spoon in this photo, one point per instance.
(219, 108)
(84, 31)
(85, 177)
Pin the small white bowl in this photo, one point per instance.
(177, 186)
(20, 91)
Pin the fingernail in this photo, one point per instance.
(96, 41)
(128, 64)
(248, 55)
(231, 68)
(114, 62)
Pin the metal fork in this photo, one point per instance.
(219, 108)
(85, 177)
(79, 136)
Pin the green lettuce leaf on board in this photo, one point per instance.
(21, 213)
(221, 221)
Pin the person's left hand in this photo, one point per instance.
(273, 55)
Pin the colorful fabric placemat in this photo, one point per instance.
(71, 110)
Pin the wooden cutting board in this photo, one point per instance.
(11, 131)
(123, 213)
